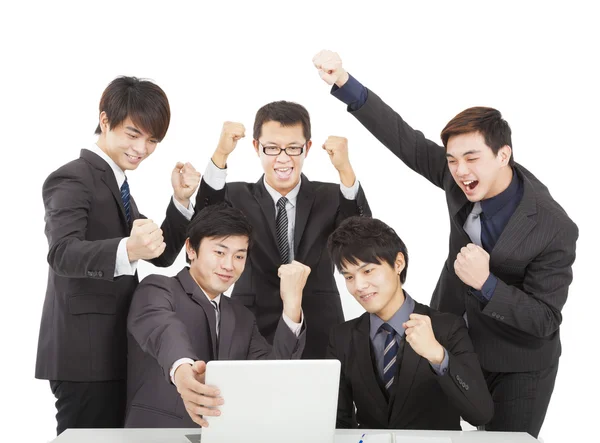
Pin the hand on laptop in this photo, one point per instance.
(292, 280)
(198, 398)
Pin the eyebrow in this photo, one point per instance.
(358, 269)
(289, 144)
(225, 247)
(472, 151)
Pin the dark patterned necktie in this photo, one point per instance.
(389, 356)
(126, 198)
(281, 223)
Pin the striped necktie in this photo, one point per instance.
(126, 198)
(218, 318)
(281, 223)
(389, 355)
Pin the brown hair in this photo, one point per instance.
(487, 121)
(144, 102)
(285, 113)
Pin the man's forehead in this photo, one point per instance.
(273, 131)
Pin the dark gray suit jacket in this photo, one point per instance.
(420, 398)
(321, 207)
(82, 333)
(518, 330)
(171, 318)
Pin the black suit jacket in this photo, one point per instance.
(321, 207)
(420, 398)
(171, 318)
(518, 330)
(82, 333)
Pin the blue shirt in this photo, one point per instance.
(496, 211)
(378, 336)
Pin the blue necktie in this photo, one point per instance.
(126, 200)
(389, 355)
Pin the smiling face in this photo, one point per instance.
(376, 287)
(218, 263)
(477, 171)
(127, 144)
(282, 172)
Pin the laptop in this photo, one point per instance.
(292, 401)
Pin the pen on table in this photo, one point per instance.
(361, 438)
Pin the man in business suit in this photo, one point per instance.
(404, 365)
(177, 324)
(511, 245)
(291, 215)
(96, 236)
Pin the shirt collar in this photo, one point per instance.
(492, 205)
(292, 196)
(402, 315)
(119, 174)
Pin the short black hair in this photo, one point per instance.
(285, 113)
(144, 102)
(368, 240)
(218, 221)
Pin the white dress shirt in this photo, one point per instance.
(123, 266)
(215, 177)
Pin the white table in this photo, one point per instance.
(341, 436)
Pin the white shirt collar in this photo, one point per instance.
(217, 299)
(119, 174)
(292, 196)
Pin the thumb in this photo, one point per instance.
(178, 167)
(199, 367)
(329, 79)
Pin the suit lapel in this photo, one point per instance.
(306, 197)
(267, 206)
(226, 328)
(360, 336)
(196, 294)
(408, 370)
(519, 226)
(108, 177)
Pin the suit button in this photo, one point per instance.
(502, 317)
(90, 274)
(100, 274)
(493, 314)
(466, 387)
(206, 201)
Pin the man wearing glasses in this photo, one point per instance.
(292, 217)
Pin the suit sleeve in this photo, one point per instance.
(346, 416)
(285, 344)
(207, 196)
(174, 229)
(67, 196)
(536, 308)
(418, 153)
(348, 208)
(154, 325)
(464, 383)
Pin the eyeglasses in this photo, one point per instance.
(292, 151)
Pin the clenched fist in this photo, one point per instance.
(185, 180)
(145, 241)
(230, 134)
(292, 280)
(330, 68)
(419, 335)
(337, 148)
(472, 266)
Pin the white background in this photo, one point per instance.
(535, 61)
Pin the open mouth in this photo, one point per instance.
(283, 173)
(470, 184)
(224, 277)
(133, 158)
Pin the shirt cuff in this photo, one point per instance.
(214, 176)
(487, 290)
(442, 368)
(353, 93)
(181, 361)
(294, 327)
(351, 192)
(123, 266)
(186, 212)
